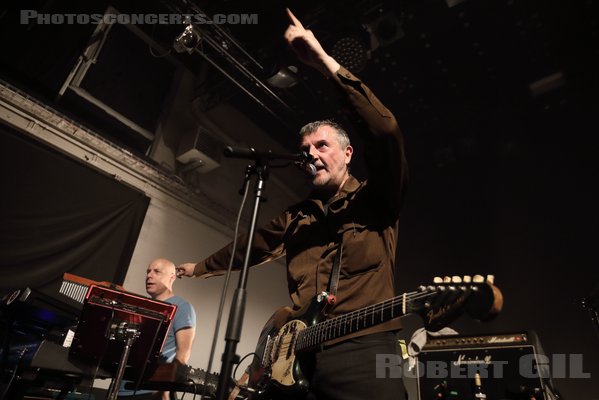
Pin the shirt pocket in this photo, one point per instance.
(298, 233)
(363, 249)
(299, 240)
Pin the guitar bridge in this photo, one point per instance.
(266, 359)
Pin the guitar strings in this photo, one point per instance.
(307, 336)
(315, 331)
(313, 334)
(382, 306)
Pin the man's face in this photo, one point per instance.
(330, 158)
(159, 278)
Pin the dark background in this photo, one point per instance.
(502, 178)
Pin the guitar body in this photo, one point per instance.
(284, 360)
(279, 372)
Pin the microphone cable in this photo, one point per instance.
(227, 278)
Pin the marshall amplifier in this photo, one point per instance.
(509, 367)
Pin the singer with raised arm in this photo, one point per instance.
(343, 225)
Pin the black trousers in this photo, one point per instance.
(150, 396)
(348, 370)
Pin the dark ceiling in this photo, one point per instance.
(456, 73)
(476, 85)
(464, 81)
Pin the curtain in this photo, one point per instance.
(58, 215)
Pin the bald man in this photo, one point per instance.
(160, 276)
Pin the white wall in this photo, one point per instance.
(177, 235)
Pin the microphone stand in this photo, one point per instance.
(235, 322)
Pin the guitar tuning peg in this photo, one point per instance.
(437, 279)
(491, 279)
(467, 279)
(446, 279)
(456, 279)
(478, 279)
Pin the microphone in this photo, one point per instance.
(307, 166)
(250, 153)
(302, 160)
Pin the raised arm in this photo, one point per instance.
(307, 48)
(385, 158)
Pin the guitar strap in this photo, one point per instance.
(332, 289)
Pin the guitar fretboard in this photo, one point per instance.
(352, 322)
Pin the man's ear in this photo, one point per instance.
(349, 151)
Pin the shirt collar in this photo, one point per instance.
(349, 187)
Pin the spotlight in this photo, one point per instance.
(284, 78)
(352, 52)
(385, 30)
(187, 41)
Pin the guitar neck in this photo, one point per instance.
(438, 305)
(353, 322)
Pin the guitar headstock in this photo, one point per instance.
(442, 302)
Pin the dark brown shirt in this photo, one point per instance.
(364, 216)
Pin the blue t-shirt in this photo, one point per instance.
(185, 317)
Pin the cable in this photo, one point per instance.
(151, 49)
(226, 283)
(14, 372)
(240, 361)
(192, 383)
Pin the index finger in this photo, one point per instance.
(293, 19)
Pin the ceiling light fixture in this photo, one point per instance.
(351, 51)
(187, 41)
(284, 78)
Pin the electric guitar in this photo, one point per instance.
(283, 357)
